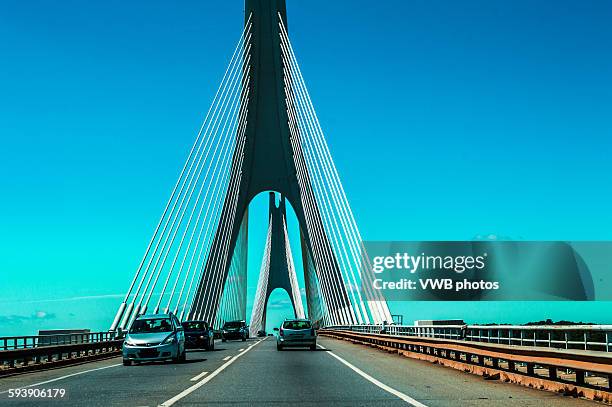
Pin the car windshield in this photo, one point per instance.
(232, 325)
(296, 325)
(142, 326)
(194, 326)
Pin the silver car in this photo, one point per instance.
(154, 337)
(296, 332)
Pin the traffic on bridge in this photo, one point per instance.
(255, 373)
(256, 286)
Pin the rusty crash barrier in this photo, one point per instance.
(572, 373)
(23, 360)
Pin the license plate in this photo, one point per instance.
(148, 353)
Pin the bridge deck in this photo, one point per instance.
(262, 375)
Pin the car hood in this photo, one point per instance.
(150, 338)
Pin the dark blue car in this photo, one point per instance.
(199, 335)
(235, 330)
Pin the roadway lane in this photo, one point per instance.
(255, 373)
(108, 382)
(439, 386)
(299, 377)
(304, 378)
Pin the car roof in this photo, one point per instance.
(297, 319)
(152, 316)
(194, 320)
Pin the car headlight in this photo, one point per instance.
(201, 337)
(224, 331)
(169, 340)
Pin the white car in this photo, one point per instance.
(296, 333)
(154, 337)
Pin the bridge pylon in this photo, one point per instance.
(261, 134)
(269, 163)
(277, 267)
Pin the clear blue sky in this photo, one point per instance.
(446, 119)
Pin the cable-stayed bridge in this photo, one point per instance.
(262, 134)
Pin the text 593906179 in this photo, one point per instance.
(36, 393)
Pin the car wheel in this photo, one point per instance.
(127, 362)
(279, 347)
(223, 339)
(313, 347)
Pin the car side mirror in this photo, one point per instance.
(276, 329)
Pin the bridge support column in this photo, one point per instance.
(269, 164)
(278, 270)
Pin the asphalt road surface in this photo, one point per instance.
(255, 373)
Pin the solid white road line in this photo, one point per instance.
(227, 358)
(198, 377)
(378, 383)
(206, 379)
(64, 377)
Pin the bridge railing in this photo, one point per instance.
(25, 353)
(585, 337)
(36, 341)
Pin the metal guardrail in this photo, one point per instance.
(585, 337)
(25, 353)
(36, 341)
(573, 372)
